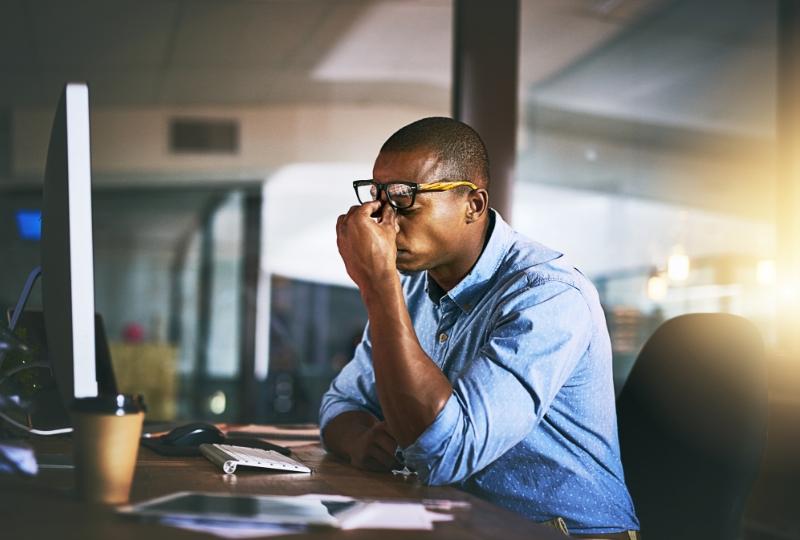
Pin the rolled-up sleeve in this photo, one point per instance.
(538, 337)
(354, 388)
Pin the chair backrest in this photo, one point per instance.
(692, 425)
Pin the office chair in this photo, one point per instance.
(692, 426)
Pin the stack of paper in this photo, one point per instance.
(367, 515)
(388, 515)
(384, 514)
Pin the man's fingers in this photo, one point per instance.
(341, 221)
(378, 454)
(374, 458)
(359, 211)
(388, 215)
(386, 442)
(367, 208)
(372, 464)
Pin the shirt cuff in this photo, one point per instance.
(424, 453)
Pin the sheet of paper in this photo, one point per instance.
(438, 516)
(372, 515)
(383, 515)
(227, 529)
(387, 514)
(326, 497)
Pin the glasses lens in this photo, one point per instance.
(401, 195)
(366, 193)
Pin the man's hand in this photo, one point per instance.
(363, 440)
(368, 246)
(374, 449)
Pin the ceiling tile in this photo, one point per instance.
(16, 45)
(107, 85)
(99, 32)
(23, 88)
(394, 41)
(206, 85)
(674, 69)
(244, 34)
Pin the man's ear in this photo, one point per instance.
(477, 204)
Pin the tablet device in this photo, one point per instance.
(235, 508)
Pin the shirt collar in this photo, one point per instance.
(473, 286)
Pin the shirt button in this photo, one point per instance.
(442, 337)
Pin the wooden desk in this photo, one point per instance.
(45, 508)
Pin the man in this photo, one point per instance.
(488, 364)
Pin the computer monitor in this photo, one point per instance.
(67, 255)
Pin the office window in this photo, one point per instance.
(646, 153)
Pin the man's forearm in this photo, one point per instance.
(411, 387)
(345, 428)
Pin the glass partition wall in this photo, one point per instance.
(647, 155)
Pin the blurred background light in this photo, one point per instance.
(657, 287)
(678, 266)
(765, 272)
(217, 403)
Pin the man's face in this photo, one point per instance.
(431, 231)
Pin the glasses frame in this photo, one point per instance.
(443, 185)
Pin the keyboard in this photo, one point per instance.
(229, 457)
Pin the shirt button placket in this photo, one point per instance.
(441, 350)
(443, 337)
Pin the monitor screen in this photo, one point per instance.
(67, 254)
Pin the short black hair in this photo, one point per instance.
(460, 149)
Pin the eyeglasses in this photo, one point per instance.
(402, 194)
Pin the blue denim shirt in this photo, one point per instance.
(531, 423)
